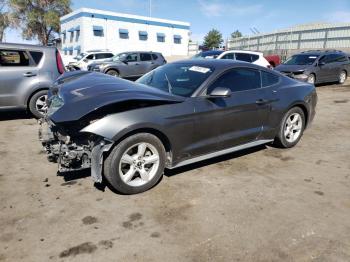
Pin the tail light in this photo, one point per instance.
(59, 62)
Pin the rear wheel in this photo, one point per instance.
(291, 128)
(37, 104)
(342, 77)
(113, 73)
(136, 164)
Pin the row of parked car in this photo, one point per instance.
(27, 71)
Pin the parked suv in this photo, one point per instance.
(317, 66)
(83, 60)
(129, 64)
(256, 58)
(26, 73)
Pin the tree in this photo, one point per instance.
(213, 39)
(38, 18)
(236, 34)
(4, 18)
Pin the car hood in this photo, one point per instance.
(291, 68)
(85, 92)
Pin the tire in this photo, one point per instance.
(113, 72)
(289, 133)
(37, 104)
(311, 79)
(342, 77)
(126, 163)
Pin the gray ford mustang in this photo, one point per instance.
(180, 113)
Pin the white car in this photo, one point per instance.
(256, 58)
(82, 60)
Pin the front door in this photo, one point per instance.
(133, 64)
(146, 63)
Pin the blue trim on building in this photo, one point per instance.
(144, 33)
(123, 31)
(71, 30)
(123, 19)
(161, 34)
(77, 28)
(77, 47)
(70, 48)
(97, 28)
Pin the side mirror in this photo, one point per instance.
(220, 92)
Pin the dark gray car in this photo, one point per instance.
(179, 113)
(26, 73)
(129, 64)
(317, 66)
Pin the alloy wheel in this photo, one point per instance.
(293, 127)
(342, 77)
(311, 79)
(40, 104)
(139, 164)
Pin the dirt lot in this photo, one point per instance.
(264, 204)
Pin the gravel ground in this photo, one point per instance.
(262, 204)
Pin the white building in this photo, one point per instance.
(90, 29)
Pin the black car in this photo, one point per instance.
(179, 113)
(317, 67)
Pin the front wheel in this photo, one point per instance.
(311, 79)
(291, 128)
(113, 73)
(136, 164)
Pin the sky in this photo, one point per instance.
(224, 15)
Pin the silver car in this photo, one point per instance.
(129, 64)
(26, 73)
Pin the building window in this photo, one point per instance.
(98, 30)
(70, 50)
(78, 49)
(123, 34)
(71, 37)
(143, 35)
(64, 36)
(65, 52)
(177, 39)
(77, 34)
(160, 37)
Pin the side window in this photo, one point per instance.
(340, 58)
(90, 57)
(131, 57)
(243, 57)
(13, 58)
(145, 57)
(328, 59)
(254, 57)
(228, 56)
(239, 79)
(268, 79)
(154, 56)
(103, 55)
(36, 56)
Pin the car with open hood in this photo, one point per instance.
(317, 66)
(178, 114)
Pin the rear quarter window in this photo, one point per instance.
(154, 56)
(268, 79)
(36, 56)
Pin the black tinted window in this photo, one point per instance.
(145, 57)
(243, 57)
(89, 57)
(154, 56)
(131, 57)
(36, 56)
(254, 57)
(341, 58)
(268, 79)
(13, 58)
(239, 79)
(103, 55)
(228, 56)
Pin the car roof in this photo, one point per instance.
(217, 63)
(26, 46)
(319, 52)
(243, 51)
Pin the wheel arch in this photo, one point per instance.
(111, 68)
(27, 101)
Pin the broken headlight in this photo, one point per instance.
(55, 103)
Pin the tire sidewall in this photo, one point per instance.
(112, 171)
(283, 141)
(32, 103)
(341, 72)
(115, 73)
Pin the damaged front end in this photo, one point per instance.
(73, 152)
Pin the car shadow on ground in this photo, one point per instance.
(14, 115)
(71, 176)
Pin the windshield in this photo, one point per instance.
(177, 79)
(80, 56)
(301, 60)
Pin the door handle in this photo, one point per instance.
(29, 74)
(262, 101)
